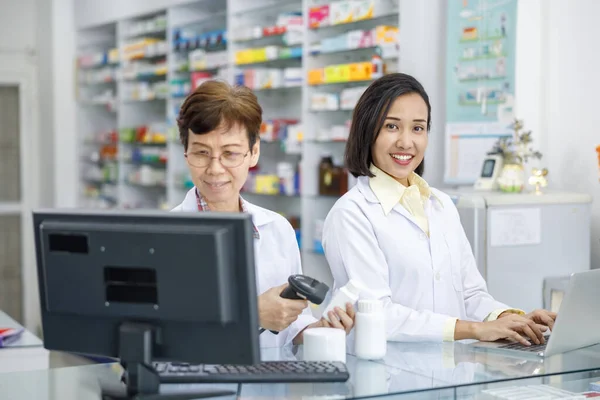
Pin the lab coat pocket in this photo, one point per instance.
(455, 262)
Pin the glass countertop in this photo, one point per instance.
(407, 370)
(27, 338)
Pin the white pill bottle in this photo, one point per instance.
(347, 294)
(370, 342)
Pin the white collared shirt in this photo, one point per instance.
(425, 281)
(389, 192)
(276, 258)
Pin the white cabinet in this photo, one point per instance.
(521, 239)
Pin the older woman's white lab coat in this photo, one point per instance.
(276, 256)
(423, 280)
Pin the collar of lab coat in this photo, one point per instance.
(387, 191)
(259, 216)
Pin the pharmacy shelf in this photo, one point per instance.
(279, 89)
(237, 8)
(391, 16)
(107, 99)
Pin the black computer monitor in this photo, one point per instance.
(144, 286)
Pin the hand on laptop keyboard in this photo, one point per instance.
(542, 317)
(512, 327)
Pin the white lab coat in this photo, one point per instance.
(421, 280)
(276, 256)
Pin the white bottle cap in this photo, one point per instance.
(354, 287)
(370, 306)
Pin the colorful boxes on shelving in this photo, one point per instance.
(361, 71)
(340, 12)
(386, 34)
(359, 39)
(269, 78)
(345, 11)
(144, 47)
(198, 78)
(292, 77)
(316, 76)
(184, 39)
(266, 184)
(268, 53)
(276, 129)
(274, 30)
(290, 52)
(249, 56)
(201, 60)
(341, 73)
(318, 16)
(337, 73)
(113, 56)
(349, 97)
(324, 102)
(363, 9)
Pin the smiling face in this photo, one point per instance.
(401, 143)
(219, 162)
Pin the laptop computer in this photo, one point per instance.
(577, 324)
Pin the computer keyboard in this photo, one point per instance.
(265, 372)
(534, 348)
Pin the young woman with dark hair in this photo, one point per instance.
(403, 239)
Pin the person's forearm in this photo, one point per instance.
(465, 330)
(299, 339)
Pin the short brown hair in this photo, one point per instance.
(216, 103)
(369, 115)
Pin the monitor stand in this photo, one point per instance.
(141, 380)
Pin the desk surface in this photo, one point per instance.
(27, 339)
(443, 370)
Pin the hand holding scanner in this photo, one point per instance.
(301, 287)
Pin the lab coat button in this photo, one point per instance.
(437, 276)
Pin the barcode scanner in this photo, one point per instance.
(301, 287)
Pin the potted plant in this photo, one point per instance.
(516, 151)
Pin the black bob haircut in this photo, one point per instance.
(369, 115)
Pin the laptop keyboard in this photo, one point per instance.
(534, 348)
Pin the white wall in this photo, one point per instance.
(64, 105)
(423, 55)
(529, 99)
(25, 34)
(25, 37)
(17, 26)
(571, 116)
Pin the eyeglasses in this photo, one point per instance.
(228, 159)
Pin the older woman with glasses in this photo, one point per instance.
(219, 129)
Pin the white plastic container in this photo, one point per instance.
(347, 294)
(286, 173)
(370, 342)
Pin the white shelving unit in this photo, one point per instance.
(189, 38)
(97, 115)
(193, 20)
(143, 93)
(316, 144)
